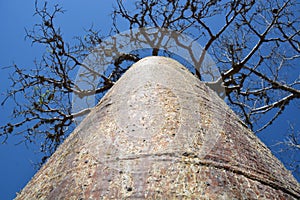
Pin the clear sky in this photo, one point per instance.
(17, 161)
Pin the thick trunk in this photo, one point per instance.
(159, 133)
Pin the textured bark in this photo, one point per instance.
(159, 133)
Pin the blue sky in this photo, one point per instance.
(17, 161)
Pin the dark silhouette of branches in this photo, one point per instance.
(255, 45)
(42, 95)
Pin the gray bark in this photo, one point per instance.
(159, 133)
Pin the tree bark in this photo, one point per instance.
(159, 133)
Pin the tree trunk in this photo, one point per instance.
(159, 133)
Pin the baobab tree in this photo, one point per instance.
(254, 44)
